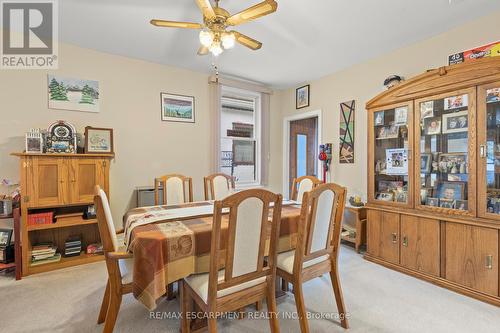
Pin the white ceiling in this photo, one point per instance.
(303, 40)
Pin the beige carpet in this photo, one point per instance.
(378, 300)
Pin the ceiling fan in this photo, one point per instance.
(213, 35)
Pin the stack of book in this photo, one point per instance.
(44, 254)
(73, 246)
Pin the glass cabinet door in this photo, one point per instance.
(390, 165)
(445, 156)
(489, 151)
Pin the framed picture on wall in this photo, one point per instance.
(178, 108)
(98, 140)
(302, 96)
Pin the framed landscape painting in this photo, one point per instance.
(73, 94)
(177, 108)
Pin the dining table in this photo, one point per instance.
(172, 242)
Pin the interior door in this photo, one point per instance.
(472, 257)
(420, 244)
(48, 184)
(84, 175)
(488, 120)
(383, 235)
(303, 148)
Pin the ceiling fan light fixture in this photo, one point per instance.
(215, 48)
(206, 38)
(228, 40)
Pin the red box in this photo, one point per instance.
(41, 218)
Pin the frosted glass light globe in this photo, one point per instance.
(228, 40)
(206, 38)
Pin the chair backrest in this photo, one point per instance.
(174, 189)
(305, 184)
(105, 223)
(218, 186)
(247, 234)
(320, 223)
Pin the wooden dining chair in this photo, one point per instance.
(218, 186)
(174, 189)
(318, 241)
(303, 184)
(246, 278)
(118, 262)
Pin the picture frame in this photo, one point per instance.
(432, 202)
(402, 196)
(447, 203)
(5, 237)
(177, 108)
(401, 115)
(73, 94)
(493, 95)
(302, 97)
(450, 190)
(385, 196)
(388, 132)
(461, 204)
(389, 185)
(425, 162)
(34, 142)
(456, 102)
(396, 161)
(99, 140)
(453, 163)
(456, 122)
(432, 126)
(426, 109)
(378, 118)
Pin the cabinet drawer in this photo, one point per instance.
(472, 257)
(383, 235)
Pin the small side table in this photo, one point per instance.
(355, 221)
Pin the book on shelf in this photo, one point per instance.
(55, 258)
(94, 248)
(73, 246)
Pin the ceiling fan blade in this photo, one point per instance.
(259, 10)
(206, 8)
(203, 50)
(247, 41)
(175, 24)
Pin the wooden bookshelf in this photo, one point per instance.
(63, 183)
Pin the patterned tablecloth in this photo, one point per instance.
(173, 242)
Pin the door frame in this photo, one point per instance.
(286, 142)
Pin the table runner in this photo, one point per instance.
(168, 250)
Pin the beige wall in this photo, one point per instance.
(145, 146)
(364, 81)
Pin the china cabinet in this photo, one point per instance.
(434, 178)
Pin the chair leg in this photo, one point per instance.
(339, 298)
(272, 309)
(115, 301)
(170, 291)
(258, 305)
(212, 324)
(104, 306)
(186, 307)
(301, 308)
(284, 285)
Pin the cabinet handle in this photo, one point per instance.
(405, 241)
(394, 237)
(409, 154)
(489, 262)
(482, 151)
(73, 180)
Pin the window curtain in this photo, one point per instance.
(215, 86)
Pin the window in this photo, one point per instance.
(240, 142)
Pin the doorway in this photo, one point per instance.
(301, 148)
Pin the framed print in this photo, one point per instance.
(451, 190)
(388, 132)
(34, 142)
(385, 196)
(433, 202)
(98, 140)
(456, 102)
(5, 237)
(432, 126)
(401, 115)
(455, 122)
(302, 96)
(73, 94)
(453, 163)
(177, 108)
(397, 161)
(379, 118)
(346, 149)
(401, 196)
(461, 204)
(447, 203)
(426, 109)
(425, 162)
(389, 185)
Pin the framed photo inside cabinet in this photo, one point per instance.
(302, 96)
(433, 202)
(450, 190)
(98, 140)
(432, 126)
(425, 162)
(455, 122)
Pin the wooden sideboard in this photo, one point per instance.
(438, 218)
(61, 183)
